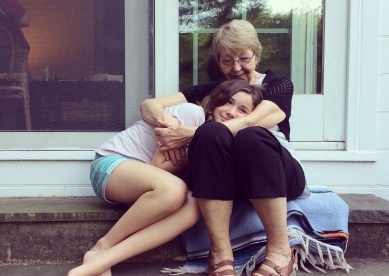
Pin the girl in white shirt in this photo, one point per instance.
(131, 169)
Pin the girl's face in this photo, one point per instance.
(240, 104)
(240, 66)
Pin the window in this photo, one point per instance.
(80, 138)
(77, 65)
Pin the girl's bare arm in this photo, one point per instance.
(266, 114)
(167, 165)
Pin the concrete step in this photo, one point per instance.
(61, 230)
(361, 267)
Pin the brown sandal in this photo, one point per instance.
(212, 268)
(284, 271)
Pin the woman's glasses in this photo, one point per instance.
(241, 61)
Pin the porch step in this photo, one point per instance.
(60, 230)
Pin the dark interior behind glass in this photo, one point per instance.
(76, 63)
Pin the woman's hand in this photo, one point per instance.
(152, 110)
(172, 139)
(160, 161)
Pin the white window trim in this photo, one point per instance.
(361, 129)
(166, 47)
(304, 52)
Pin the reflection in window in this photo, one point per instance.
(76, 62)
(290, 32)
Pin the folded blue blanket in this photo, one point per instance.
(317, 225)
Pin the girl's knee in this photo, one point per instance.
(173, 195)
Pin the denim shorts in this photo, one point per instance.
(100, 171)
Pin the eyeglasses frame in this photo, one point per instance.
(238, 60)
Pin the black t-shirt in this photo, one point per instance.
(279, 90)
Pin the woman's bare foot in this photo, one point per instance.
(221, 264)
(91, 266)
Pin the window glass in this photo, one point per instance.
(290, 32)
(76, 64)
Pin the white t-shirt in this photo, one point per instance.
(139, 142)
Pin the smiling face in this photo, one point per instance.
(239, 105)
(237, 70)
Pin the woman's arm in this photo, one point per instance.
(266, 114)
(173, 136)
(152, 110)
(160, 160)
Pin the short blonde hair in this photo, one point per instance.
(235, 37)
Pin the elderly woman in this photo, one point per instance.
(248, 157)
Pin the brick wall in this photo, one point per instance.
(61, 33)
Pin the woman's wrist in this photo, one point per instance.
(189, 133)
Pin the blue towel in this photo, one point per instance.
(317, 226)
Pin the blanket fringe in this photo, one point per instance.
(174, 271)
(257, 258)
(327, 256)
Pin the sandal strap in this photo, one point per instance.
(225, 272)
(282, 271)
(222, 263)
(272, 265)
(263, 272)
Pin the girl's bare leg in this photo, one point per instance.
(148, 238)
(155, 193)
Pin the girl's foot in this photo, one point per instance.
(90, 266)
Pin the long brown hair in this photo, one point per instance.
(223, 93)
